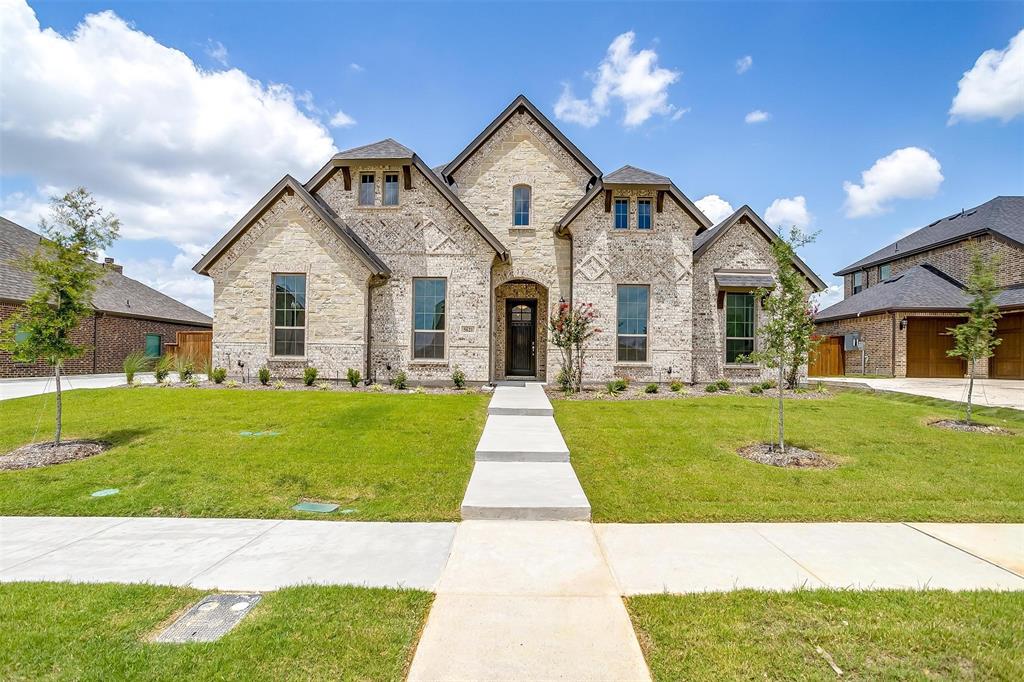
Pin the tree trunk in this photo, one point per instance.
(782, 423)
(56, 374)
(970, 391)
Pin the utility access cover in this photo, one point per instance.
(210, 619)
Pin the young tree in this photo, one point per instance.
(571, 328)
(65, 273)
(787, 335)
(976, 338)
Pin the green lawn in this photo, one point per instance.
(891, 635)
(675, 460)
(178, 452)
(58, 631)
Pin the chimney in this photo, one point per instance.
(111, 265)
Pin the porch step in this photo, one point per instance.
(516, 438)
(527, 399)
(538, 491)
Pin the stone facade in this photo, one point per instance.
(524, 291)
(660, 258)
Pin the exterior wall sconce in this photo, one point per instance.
(903, 324)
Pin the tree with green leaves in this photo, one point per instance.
(976, 338)
(65, 273)
(786, 338)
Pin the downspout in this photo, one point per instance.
(490, 327)
(368, 330)
(892, 362)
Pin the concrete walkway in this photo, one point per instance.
(987, 392)
(522, 466)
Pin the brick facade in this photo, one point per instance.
(108, 340)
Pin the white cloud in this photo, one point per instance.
(216, 50)
(358, 68)
(342, 120)
(633, 77)
(831, 295)
(786, 212)
(757, 116)
(715, 208)
(994, 87)
(744, 63)
(176, 279)
(908, 173)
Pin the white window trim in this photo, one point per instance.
(725, 331)
(412, 338)
(647, 346)
(273, 316)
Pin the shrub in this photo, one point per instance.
(208, 367)
(279, 384)
(768, 384)
(184, 368)
(458, 377)
(676, 386)
(401, 381)
(162, 367)
(757, 389)
(720, 385)
(231, 383)
(651, 388)
(711, 388)
(134, 363)
(376, 388)
(218, 375)
(263, 374)
(324, 385)
(563, 380)
(309, 376)
(192, 382)
(419, 390)
(353, 377)
(723, 385)
(616, 386)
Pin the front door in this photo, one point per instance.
(521, 341)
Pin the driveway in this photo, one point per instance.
(987, 392)
(19, 388)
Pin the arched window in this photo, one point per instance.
(521, 205)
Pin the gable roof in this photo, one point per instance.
(666, 185)
(631, 175)
(387, 148)
(115, 293)
(520, 102)
(1002, 216)
(343, 231)
(922, 287)
(703, 240)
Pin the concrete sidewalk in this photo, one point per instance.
(20, 388)
(987, 392)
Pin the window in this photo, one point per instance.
(631, 345)
(290, 315)
(621, 214)
(366, 189)
(643, 214)
(739, 326)
(521, 205)
(391, 189)
(428, 318)
(154, 346)
(884, 272)
(858, 282)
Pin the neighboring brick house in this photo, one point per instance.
(128, 316)
(902, 300)
(382, 264)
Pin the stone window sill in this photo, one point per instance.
(429, 363)
(744, 365)
(635, 365)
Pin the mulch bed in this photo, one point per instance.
(35, 455)
(335, 387)
(635, 391)
(973, 427)
(794, 457)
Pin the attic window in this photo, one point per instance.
(621, 214)
(366, 189)
(884, 271)
(391, 189)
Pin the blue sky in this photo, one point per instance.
(843, 86)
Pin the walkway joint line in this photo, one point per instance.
(230, 554)
(957, 547)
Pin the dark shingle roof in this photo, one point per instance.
(114, 293)
(741, 278)
(1003, 216)
(631, 175)
(922, 287)
(385, 149)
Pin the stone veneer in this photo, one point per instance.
(289, 238)
(661, 258)
(523, 290)
(424, 236)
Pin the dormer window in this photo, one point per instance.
(621, 214)
(858, 281)
(366, 189)
(643, 214)
(521, 205)
(884, 272)
(391, 189)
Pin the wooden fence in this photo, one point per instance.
(828, 359)
(197, 346)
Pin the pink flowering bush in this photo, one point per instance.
(571, 328)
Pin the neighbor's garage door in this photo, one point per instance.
(1008, 362)
(928, 339)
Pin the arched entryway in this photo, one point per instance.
(520, 331)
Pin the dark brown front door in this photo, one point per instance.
(521, 341)
(928, 340)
